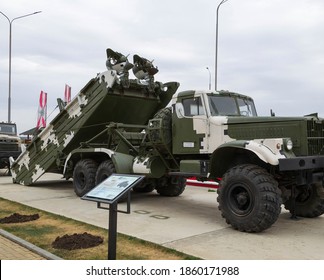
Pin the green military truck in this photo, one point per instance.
(140, 126)
(10, 143)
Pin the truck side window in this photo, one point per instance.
(193, 107)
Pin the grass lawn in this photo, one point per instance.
(43, 231)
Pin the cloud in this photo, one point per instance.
(271, 50)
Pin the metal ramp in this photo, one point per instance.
(103, 100)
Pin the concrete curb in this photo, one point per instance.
(43, 253)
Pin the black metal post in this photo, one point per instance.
(112, 231)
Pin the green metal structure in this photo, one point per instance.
(103, 100)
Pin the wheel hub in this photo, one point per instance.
(242, 198)
(241, 202)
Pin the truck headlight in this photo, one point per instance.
(288, 144)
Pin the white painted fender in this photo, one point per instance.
(268, 150)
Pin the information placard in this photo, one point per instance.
(110, 191)
(113, 188)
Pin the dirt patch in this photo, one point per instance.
(77, 241)
(18, 218)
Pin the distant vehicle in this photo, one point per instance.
(10, 143)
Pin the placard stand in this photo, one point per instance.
(110, 192)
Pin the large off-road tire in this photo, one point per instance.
(146, 187)
(309, 202)
(84, 174)
(105, 169)
(168, 186)
(249, 198)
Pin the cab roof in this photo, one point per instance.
(191, 93)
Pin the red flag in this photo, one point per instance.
(41, 119)
(67, 94)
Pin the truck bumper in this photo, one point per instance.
(301, 163)
(4, 157)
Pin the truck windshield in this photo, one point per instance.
(231, 106)
(7, 129)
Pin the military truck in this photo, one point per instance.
(139, 126)
(10, 144)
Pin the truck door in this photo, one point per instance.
(190, 126)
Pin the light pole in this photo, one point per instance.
(209, 84)
(216, 46)
(10, 40)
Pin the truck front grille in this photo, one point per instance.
(315, 137)
(9, 147)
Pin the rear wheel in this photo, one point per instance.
(309, 202)
(171, 186)
(84, 174)
(146, 187)
(249, 198)
(105, 169)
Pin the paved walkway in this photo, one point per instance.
(15, 248)
(189, 223)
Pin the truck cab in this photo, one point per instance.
(213, 130)
(10, 144)
(200, 117)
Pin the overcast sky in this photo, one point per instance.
(270, 50)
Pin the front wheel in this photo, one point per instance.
(249, 198)
(84, 174)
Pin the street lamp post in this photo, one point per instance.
(216, 46)
(209, 84)
(10, 43)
